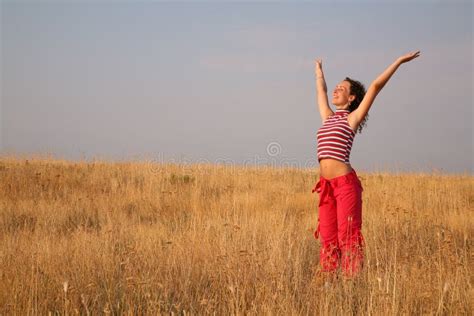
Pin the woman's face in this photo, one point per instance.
(341, 94)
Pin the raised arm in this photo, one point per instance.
(378, 84)
(322, 91)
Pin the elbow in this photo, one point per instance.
(377, 86)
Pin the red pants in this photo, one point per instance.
(340, 222)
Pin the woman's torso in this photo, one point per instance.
(338, 139)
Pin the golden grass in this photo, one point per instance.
(137, 237)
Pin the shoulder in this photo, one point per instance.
(352, 121)
(326, 114)
(326, 118)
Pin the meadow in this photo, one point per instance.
(135, 237)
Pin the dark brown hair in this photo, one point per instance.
(357, 89)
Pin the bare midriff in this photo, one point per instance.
(331, 168)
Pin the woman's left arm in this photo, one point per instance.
(379, 83)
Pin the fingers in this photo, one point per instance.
(318, 62)
(409, 56)
(414, 55)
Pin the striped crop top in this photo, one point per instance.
(335, 137)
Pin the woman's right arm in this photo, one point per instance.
(321, 90)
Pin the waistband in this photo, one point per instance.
(340, 179)
(324, 185)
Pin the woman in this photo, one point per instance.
(339, 188)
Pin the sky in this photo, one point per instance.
(234, 82)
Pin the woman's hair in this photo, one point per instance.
(357, 89)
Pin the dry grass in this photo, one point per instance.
(152, 238)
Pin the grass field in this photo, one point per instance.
(135, 238)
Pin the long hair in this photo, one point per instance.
(357, 89)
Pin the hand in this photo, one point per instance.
(318, 63)
(408, 57)
(318, 66)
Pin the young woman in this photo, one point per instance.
(339, 188)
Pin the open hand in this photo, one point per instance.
(318, 67)
(408, 57)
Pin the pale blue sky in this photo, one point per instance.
(209, 81)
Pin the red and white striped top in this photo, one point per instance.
(335, 137)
